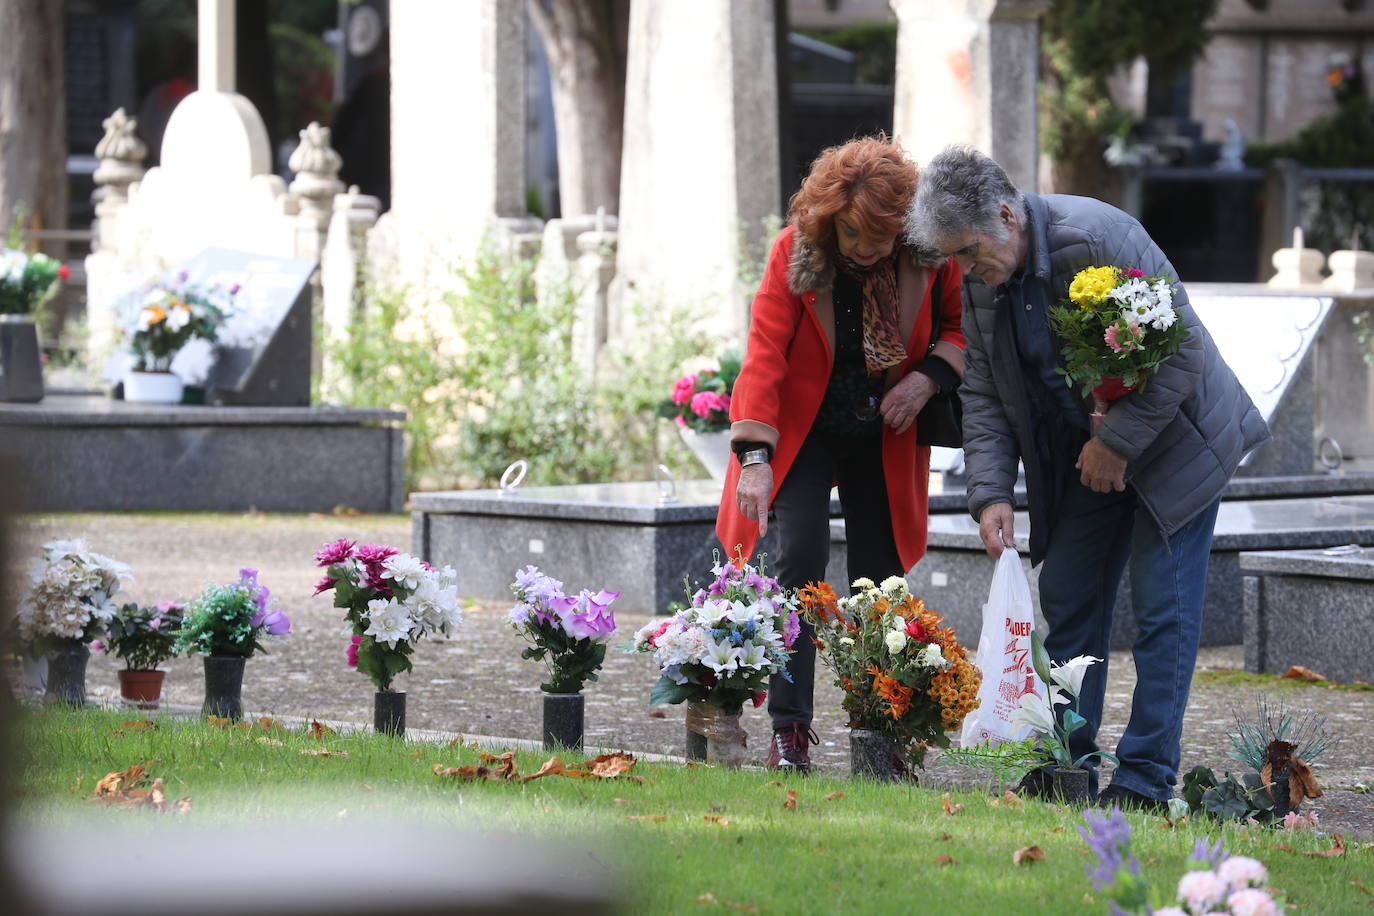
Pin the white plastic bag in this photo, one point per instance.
(1004, 657)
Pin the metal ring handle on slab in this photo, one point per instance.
(513, 476)
(667, 486)
(1329, 454)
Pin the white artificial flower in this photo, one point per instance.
(846, 640)
(895, 585)
(721, 657)
(932, 657)
(388, 622)
(752, 655)
(1035, 711)
(896, 640)
(435, 607)
(178, 318)
(1069, 675)
(403, 569)
(145, 319)
(741, 612)
(863, 582)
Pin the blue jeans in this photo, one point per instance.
(1093, 537)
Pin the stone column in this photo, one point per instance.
(968, 72)
(700, 166)
(457, 122)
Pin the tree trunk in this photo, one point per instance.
(586, 42)
(33, 130)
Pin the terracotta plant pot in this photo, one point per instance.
(141, 689)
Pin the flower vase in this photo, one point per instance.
(141, 689)
(21, 367)
(223, 686)
(67, 673)
(1070, 785)
(389, 713)
(152, 387)
(1278, 791)
(696, 745)
(33, 676)
(874, 754)
(1104, 393)
(726, 741)
(711, 449)
(563, 721)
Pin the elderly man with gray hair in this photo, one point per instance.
(1142, 488)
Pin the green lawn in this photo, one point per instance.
(675, 834)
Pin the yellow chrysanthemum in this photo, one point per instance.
(1090, 287)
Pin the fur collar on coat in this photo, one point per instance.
(810, 267)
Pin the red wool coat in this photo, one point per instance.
(786, 369)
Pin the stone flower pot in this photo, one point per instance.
(21, 367)
(563, 721)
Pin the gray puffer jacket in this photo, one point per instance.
(1182, 436)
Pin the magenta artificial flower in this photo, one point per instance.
(791, 629)
(1133, 274)
(334, 552)
(324, 585)
(591, 616)
(155, 623)
(682, 391)
(353, 651)
(165, 606)
(680, 421)
(98, 645)
(704, 402)
(371, 556)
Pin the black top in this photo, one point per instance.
(851, 388)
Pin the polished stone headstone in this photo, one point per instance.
(1313, 608)
(956, 573)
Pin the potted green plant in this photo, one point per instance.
(168, 316)
(224, 625)
(143, 637)
(26, 282)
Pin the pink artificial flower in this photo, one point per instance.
(682, 391)
(1240, 872)
(1110, 338)
(663, 628)
(1295, 821)
(703, 402)
(1252, 902)
(1202, 890)
(371, 556)
(324, 585)
(680, 421)
(165, 606)
(1133, 274)
(917, 631)
(353, 651)
(334, 552)
(155, 623)
(791, 629)
(98, 645)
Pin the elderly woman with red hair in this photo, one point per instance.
(839, 363)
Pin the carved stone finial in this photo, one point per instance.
(120, 151)
(316, 165)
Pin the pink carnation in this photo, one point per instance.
(1110, 338)
(324, 585)
(1252, 902)
(1133, 274)
(1295, 821)
(334, 552)
(682, 391)
(353, 651)
(680, 421)
(1202, 890)
(704, 402)
(1242, 871)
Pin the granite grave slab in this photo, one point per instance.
(1313, 608)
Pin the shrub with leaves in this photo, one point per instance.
(228, 620)
(143, 636)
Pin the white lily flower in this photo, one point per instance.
(721, 657)
(752, 656)
(1035, 712)
(1070, 674)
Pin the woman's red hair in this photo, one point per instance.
(871, 177)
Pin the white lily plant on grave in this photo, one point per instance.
(1052, 727)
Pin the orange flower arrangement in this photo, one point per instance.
(903, 672)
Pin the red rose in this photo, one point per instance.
(64, 271)
(916, 631)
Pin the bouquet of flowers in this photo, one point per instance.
(144, 637)
(390, 600)
(701, 400)
(569, 633)
(902, 672)
(70, 595)
(722, 649)
(1118, 327)
(170, 314)
(227, 620)
(27, 280)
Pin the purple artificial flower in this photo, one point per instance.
(1109, 837)
(182, 275)
(537, 587)
(277, 624)
(592, 618)
(791, 629)
(1211, 856)
(234, 289)
(335, 552)
(248, 578)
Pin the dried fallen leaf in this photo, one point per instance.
(1362, 887)
(709, 899)
(656, 818)
(270, 724)
(1012, 800)
(504, 764)
(219, 721)
(791, 803)
(994, 802)
(455, 742)
(943, 859)
(1027, 854)
(834, 796)
(115, 784)
(138, 725)
(950, 807)
(772, 782)
(820, 850)
(272, 742)
(609, 766)
(418, 753)
(552, 767)
(365, 787)
(620, 801)
(182, 805)
(157, 795)
(1337, 848)
(717, 819)
(1299, 673)
(1059, 829)
(322, 752)
(945, 837)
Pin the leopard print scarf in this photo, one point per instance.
(883, 347)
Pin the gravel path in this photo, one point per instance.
(477, 683)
